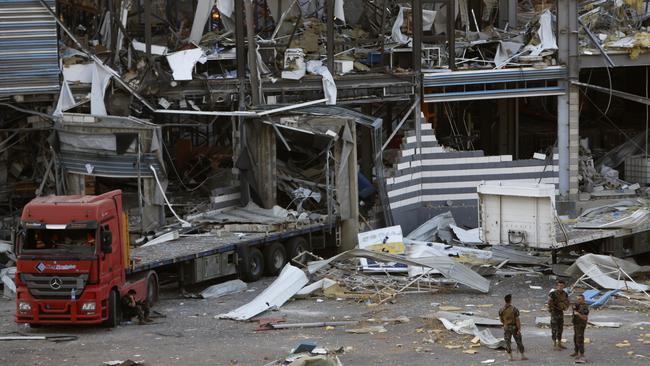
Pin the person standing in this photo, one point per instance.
(509, 316)
(558, 302)
(580, 316)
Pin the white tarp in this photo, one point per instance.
(467, 326)
(428, 17)
(606, 271)
(100, 80)
(288, 283)
(182, 62)
(505, 52)
(329, 87)
(545, 34)
(81, 73)
(7, 278)
(66, 100)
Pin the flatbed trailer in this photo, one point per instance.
(200, 257)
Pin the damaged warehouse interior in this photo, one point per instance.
(359, 150)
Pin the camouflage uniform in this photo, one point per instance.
(140, 309)
(579, 326)
(558, 302)
(509, 315)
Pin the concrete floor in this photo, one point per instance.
(190, 334)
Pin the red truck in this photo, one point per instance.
(73, 255)
(74, 259)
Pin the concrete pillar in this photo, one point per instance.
(75, 184)
(563, 144)
(574, 140)
(261, 143)
(348, 194)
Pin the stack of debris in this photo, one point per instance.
(600, 182)
(308, 353)
(614, 26)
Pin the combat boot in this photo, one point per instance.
(510, 358)
(560, 345)
(523, 357)
(574, 354)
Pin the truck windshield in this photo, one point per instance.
(68, 241)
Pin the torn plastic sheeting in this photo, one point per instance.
(101, 77)
(329, 87)
(545, 35)
(288, 283)
(468, 326)
(437, 228)
(223, 289)
(444, 265)
(66, 99)
(455, 317)
(605, 271)
(428, 17)
(81, 73)
(505, 52)
(6, 277)
(182, 62)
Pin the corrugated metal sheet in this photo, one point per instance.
(113, 166)
(29, 58)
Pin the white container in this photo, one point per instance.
(517, 213)
(343, 66)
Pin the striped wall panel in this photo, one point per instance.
(434, 178)
(225, 198)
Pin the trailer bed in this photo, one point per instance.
(187, 248)
(576, 236)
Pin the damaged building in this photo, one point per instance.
(371, 113)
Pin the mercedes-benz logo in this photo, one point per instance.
(56, 283)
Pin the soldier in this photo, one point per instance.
(558, 302)
(132, 307)
(509, 316)
(580, 316)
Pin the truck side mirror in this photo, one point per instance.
(106, 241)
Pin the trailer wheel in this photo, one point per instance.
(254, 267)
(275, 256)
(114, 313)
(152, 289)
(297, 245)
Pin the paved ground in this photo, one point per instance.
(190, 334)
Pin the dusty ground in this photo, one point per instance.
(190, 335)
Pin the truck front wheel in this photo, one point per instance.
(113, 310)
(254, 265)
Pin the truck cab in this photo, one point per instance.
(72, 253)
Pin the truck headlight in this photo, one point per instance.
(88, 306)
(24, 306)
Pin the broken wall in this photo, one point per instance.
(438, 180)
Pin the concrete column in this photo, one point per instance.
(75, 184)
(349, 224)
(261, 143)
(574, 140)
(563, 144)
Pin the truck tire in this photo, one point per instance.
(275, 257)
(297, 245)
(254, 265)
(152, 289)
(114, 313)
